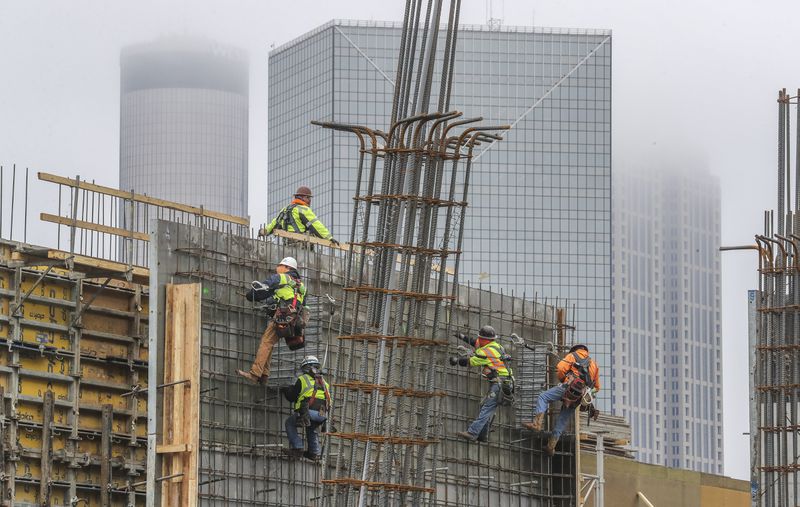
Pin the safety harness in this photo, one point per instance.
(498, 371)
(288, 323)
(312, 393)
(577, 384)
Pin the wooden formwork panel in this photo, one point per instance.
(83, 343)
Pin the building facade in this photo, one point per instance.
(184, 123)
(666, 340)
(539, 220)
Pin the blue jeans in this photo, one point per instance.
(295, 442)
(480, 426)
(546, 398)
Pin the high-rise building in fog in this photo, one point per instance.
(666, 343)
(539, 220)
(183, 123)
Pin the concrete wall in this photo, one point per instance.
(664, 487)
(241, 426)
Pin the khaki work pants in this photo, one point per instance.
(269, 339)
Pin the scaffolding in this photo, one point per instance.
(775, 368)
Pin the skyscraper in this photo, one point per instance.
(183, 123)
(539, 221)
(667, 373)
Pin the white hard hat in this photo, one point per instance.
(310, 361)
(290, 262)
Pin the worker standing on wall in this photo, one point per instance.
(492, 359)
(283, 294)
(311, 401)
(578, 373)
(298, 217)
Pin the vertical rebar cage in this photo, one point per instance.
(776, 370)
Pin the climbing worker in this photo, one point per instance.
(282, 294)
(491, 357)
(577, 373)
(311, 399)
(298, 217)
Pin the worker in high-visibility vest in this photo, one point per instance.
(298, 217)
(311, 401)
(577, 374)
(490, 356)
(280, 290)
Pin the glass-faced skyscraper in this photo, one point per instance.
(183, 123)
(539, 220)
(667, 373)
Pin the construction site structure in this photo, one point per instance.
(383, 309)
(774, 328)
(111, 322)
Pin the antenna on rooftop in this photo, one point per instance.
(492, 22)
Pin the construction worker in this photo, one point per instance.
(298, 217)
(311, 399)
(577, 373)
(280, 290)
(492, 359)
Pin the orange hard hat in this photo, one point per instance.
(303, 192)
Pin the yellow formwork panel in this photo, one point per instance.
(104, 360)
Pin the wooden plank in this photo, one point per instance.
(47, 448)
(140, 275)
(105, 456)
(52, 178)
(90, 226)
(172, 448)
(181, 402)
(192, 348)
(178, 323)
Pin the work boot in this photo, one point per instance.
(312, 457)
(536, 424)
(466, 435)
(249, 376)
(550, 449)
(292, 453)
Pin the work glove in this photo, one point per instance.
(262, 232)
(453, 360)
(594, 391)
(334, 242)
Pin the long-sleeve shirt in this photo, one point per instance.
(280, 286)
(298, 217)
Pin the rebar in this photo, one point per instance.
(777, 341)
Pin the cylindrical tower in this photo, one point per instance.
(183, 123)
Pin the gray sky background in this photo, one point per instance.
(695, 79)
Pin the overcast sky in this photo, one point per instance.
(695, 78)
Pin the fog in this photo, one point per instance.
(695, 78)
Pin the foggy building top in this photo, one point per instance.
(184, 123)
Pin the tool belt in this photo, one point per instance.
(576, 387)
(289, 325)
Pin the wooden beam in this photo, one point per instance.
(47, 448)
(105, 455)
(140, 275)
(90, 226)
(171, 449)
(52, 178)
(181, 400)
